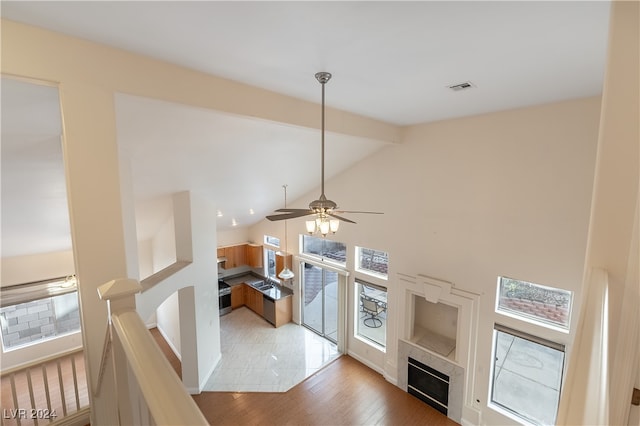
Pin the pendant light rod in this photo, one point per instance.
(323, 78)
(286, 273)
(285, 222)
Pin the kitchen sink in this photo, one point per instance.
(261, 285)
(265, 287)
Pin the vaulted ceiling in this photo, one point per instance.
(391, 61)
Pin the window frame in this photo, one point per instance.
(321, 257)
(530, 318)
(25, 294)
(269, 240)
(370, 272)
(357, 282)
(498, 406)
(266, 249)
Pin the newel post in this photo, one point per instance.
(120, 295)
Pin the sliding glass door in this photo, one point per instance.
(320, 301)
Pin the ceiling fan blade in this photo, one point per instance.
(355, 211)
(290, 215)
(344, 219)
(292, 210)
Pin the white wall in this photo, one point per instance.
(168, 322)
(145, 259)
(202, 349)
(163, 246)
(467, 200)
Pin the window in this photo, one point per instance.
(32, 313)
(325, 249)
(270, 264)
(372, 262)
(371, 309)
(272, 241)
(527, 373)
(542, 305)
(270, 256)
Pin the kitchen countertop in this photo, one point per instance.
(276, 292)
(244, 278)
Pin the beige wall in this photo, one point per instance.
(613, 231)
(467, 200)
(36, 267)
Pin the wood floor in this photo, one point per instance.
(344, 393)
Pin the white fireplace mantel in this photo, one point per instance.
(467, 303)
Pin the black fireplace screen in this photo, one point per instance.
(429, 385)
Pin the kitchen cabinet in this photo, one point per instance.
(245, 294)
(241, 255)
(253, 299)
(284, 311)
(254, 255)
(283, 259)
(235, 255)
(237, 296)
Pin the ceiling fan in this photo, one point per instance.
(324, 209)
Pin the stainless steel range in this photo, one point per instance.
(224, 297)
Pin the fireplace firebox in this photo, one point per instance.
(428, 385)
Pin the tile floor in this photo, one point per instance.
(256, 357)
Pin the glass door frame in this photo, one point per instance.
(342, 296)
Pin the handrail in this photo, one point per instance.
(585, 392)
(106, 350)
(156, 378)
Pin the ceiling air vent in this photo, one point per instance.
(461, 86)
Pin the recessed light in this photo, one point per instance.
(219, 213)
(251, 211)
(233, 222)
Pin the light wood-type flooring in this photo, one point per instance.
(346, 392)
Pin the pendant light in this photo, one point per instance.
(286, 273)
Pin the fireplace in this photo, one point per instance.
(429, 389)
(435, 344)
(428, 385)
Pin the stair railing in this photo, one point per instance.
(45, 391)
(148, 390)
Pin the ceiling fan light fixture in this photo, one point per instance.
(324, 227)
(324, 210)
(311, 226)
